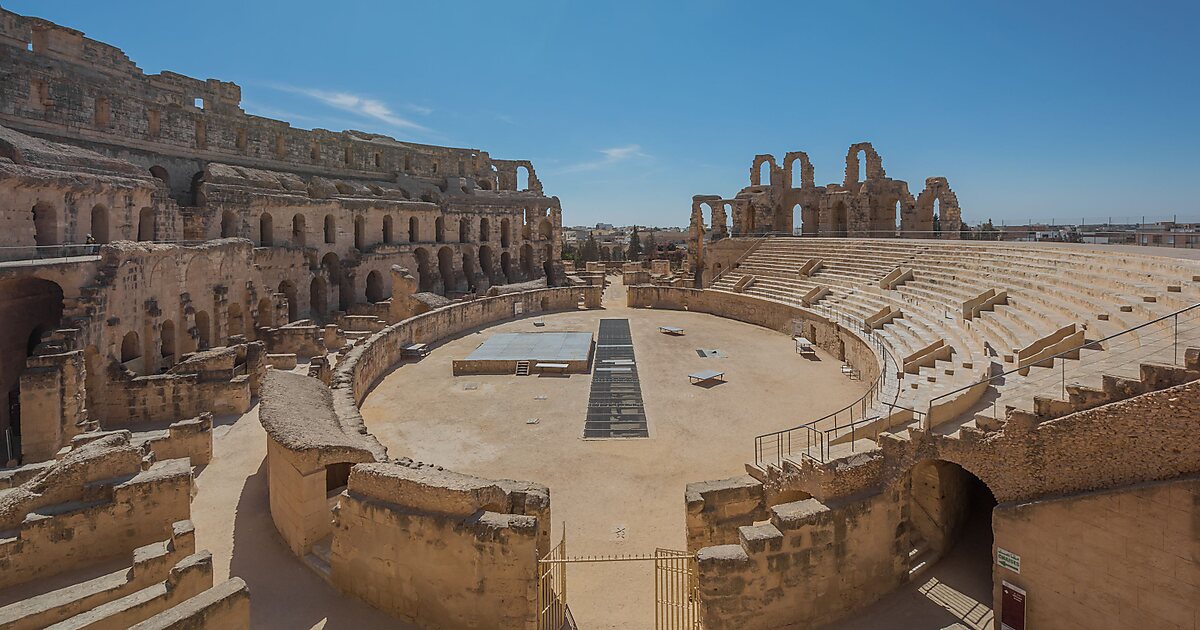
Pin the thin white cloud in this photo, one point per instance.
(360, 105)
(610, 156)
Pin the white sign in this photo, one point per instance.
(1008, 560)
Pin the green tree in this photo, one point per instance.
(590, 252)
(649, 246)
(634, 252)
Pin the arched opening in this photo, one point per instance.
(330, 229)
(131, 351)
(468, 269)
(375, 287)
(486, 263)
(161, 174)
(522, 178)
(298, 230)
(146, 230)
(446, 269)
(196, 193)
(545, 230)
(797, 220)
(505, 232)
(414, 230)
(266, 229)
(424, 275)
(464, 230)
(506, 266)
(898, 215)
(237, 325)
(937, 216)
(100, 223)
(317, 298)
(166, 342)
(45, 225)
(797, 174)
(527, 260)
(360, 233)
(764, 173)
(228, 224)
(485, 228)
(388, 235)
(29, 309)
(439, 230)
(548, 269)
(950, 523)
(264, 317)
(289, 291)
(861, 157)
(203, 331)
(837, 219)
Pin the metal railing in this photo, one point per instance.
(1161, 340)
(810, 441)
(65, 251)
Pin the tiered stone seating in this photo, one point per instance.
(1047, 289)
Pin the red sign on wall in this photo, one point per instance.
(1012, 607)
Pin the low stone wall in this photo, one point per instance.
(190, 577)
(225, 606)
(302, 340)
(1133, 552)
(716, 509)
(844, 344)
(440, 549)
(128, 402)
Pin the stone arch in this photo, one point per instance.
(196, 192)
(131, 348)
(228, 224)
(801, 177)
(545, 229)
(45, 224)
(99, 223)
(446, 269)
(236, 324)
(857, 172)
(388, 229)
(487, 262)
(299, 230)
(425, 278)
(330, 229)
(146, 230)
(166, 342)
(527, 260)
(506, 266)
(375, 287)
(203, 331)
(318, 299)
(414, 230)
(485, 229)
(468, 268)
(360, 232)
(293, 306)
(548, 265)
(757, 170)
(266, 229)
(264, 316)
(161, 175)
(948, 505)
(464, 230)
(439, 230)
(838, 218)
(522, 177)
(505, 232)
(937, 198)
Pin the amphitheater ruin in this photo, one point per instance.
(261, 376)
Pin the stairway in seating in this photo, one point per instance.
(522, 368)
(318, 557)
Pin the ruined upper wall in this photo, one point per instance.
(63, 84)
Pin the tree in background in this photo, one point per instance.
(635, 245)
(649, 246)
(590, 252)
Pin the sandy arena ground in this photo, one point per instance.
(622, 496)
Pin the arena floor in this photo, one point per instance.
(619, 496)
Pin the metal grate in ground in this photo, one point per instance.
(615, 408)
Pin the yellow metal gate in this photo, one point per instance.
(676, 594)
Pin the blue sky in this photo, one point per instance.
(1031, 109)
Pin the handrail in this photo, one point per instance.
(784, 437)
(1085, 345)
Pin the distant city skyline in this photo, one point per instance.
(1033, 112)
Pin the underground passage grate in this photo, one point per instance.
(615, 408)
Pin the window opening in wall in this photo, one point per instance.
(153, 121)
(103, 111)
(861, 156)
(435, 167)
(198, 103)
(522, 178)
(330, 229)
(241, 139)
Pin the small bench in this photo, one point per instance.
(706, 375)
(804, 346)
(414, 349)
(671, 330)
(558, 368)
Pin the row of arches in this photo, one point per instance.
(47, 225)
(468, 231)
